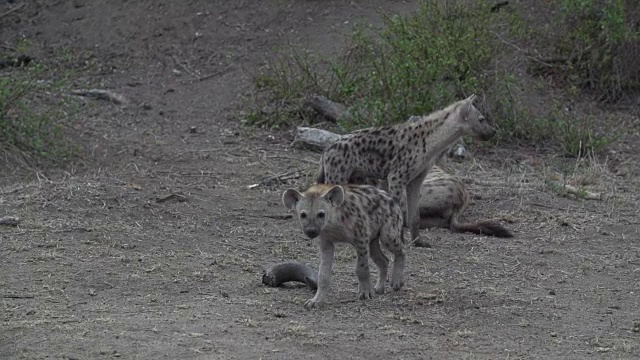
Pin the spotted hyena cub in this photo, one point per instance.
(402, 154)
(361, 215)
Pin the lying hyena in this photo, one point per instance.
(403, 154)
(443, 200)
(361, 215)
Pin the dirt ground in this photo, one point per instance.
(100, 268)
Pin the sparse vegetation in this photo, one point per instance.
(31, 127)
(425, 60)
(599, 48)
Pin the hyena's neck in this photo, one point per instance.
(443, 132)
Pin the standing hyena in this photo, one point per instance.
(402, 154)
(361, 215)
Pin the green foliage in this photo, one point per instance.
(601, 45)
(414, 65)
(31, 132)
(443, 52)
(575, 135)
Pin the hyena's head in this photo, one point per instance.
(314, 206)
(473, 122)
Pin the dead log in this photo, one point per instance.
(331, 110)
(313, 139)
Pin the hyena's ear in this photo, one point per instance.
(466, 106)
(335, 195)
(290, 198)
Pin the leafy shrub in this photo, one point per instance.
(415, 64)
(599, 47)
(25, 131)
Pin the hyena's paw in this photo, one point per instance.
(397, 282)
(365, 293)
(379, 289)
(312, 303)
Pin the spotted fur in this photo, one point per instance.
(443, 200)
(361, 215)
(402, 154)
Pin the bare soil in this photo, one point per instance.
(105, 263)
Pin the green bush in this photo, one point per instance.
(599, 47)
(24, 131)
(414, 65)
(442, 53)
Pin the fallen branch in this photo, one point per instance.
(280, 178)
(16, 296)
(14, 9)
(585, 194)
(331, 110)
(9, 220)
(172, 197)
(313, 139)
(100, 94)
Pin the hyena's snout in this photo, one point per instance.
(311, 231)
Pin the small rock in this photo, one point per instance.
(146, 106)
(553, 334)
(31, 312)
(193, 130)
(552, 292)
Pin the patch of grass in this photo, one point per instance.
(600, 46)
(31, 120)
(575, 135)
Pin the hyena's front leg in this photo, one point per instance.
(382, 262)
(362, 270)
(324, 274)
(397, 190)
(413, 199)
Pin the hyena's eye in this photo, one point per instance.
(321, 214)
(303, 215)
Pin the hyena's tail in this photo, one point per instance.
(489, 228)
(321, 178)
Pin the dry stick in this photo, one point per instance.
(280, 177)
(184, 67)
(577, 192)
(292, 158)
(12, 10)
(100, 94)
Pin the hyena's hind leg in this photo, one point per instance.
(392, 240)
(382, 263)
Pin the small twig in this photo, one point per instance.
(292, 158)
(185, 68)
(175, 197)
(100, 94)
(547, 206)
(217, 73)
(275, 217)
(14, 9)
(16, 296)
(268, 181)
(588, 195)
